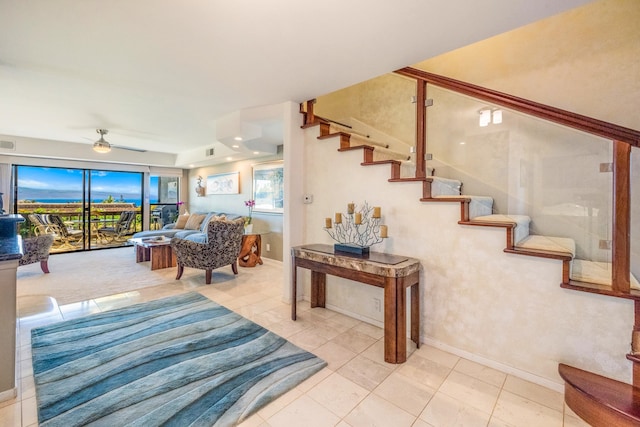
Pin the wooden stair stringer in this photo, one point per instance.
(345, 145)
(599, 400)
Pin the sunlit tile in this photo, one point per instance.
(334, 354)
(254, 420)
(29, 411)
(535, 392)
(375, 352)
(404, 392)
(443, 410)
(354, 340)
(304, 411)
(441, 357)
(338, 394)
(521, 412)
(375, 411)
(278, 404)
(371, 330)
(286, 328)
(27, 387)
(314, 380)
(425, 371)
(365, 372)
(307, 340)
(576, 421)
(481, 372)
(471, 391)
(11, 415)
(79, 309)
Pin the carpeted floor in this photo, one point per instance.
(182, 360)
(85, 275)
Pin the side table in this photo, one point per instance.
(251, 250)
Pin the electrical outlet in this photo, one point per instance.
(308, 198)
(377, 306)
(268, 247)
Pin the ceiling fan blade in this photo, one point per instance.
(139, 150)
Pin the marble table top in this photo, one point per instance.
(377, 263)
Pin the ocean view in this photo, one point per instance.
(136, 202)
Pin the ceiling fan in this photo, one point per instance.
(102, 146)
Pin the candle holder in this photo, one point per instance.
(357, 229)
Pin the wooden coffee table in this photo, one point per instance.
(159, 252)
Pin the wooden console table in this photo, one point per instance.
(391, 272)
(158, 252)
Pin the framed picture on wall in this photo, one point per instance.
(223, 183)
(268, 187)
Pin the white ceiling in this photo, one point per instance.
(158, 73)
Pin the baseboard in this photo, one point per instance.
(559, 387)
(8, 394)
(496, 365)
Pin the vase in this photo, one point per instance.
(248, 228)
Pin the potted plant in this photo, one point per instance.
(248, 226)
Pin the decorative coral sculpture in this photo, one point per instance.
(356, 230)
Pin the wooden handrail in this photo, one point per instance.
(552, 114)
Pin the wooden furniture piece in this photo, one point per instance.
(251, 250)
(159, 252)
(393, 273)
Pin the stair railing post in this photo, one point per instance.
(621, 244)
(421, 128)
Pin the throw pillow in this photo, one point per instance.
(194, 222)
(182, 221)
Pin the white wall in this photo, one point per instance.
(502, 309)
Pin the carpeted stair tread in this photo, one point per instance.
(548, 243)
(444, 186)
(479, 206)
(522, 223)
(597, 272)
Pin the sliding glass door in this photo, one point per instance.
(83, 208)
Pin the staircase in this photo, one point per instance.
(599, 400)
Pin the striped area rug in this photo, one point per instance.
(183, 361)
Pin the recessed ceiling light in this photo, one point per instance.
(235, 146)
(462, 143)
(238, 138)
(191, 166)
(229, 158)
(256, 152)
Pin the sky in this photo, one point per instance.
(61, 183)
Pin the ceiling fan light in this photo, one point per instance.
(101, 146)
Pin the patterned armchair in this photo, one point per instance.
(36, 249)
(224, 239)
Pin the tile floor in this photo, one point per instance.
(433, 388)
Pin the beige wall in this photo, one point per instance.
(586, 60)
(234, 203)
(504, 310)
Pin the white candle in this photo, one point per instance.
(327, 223)
(383, 231)
(338, 218)
(358, 220)
(376, 212)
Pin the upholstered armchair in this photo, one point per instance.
(222, 247)
(36, 249)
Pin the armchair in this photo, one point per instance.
(36, 249)
(222, 247)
